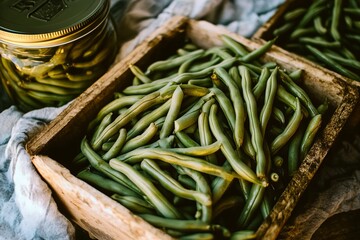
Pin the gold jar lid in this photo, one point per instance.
(46, 23)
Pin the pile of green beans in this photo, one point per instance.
(42, 77)
(202, 143)
(326, 32)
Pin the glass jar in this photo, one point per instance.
(52, 50)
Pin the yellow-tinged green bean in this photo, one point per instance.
(186, 120)
(220, 185)
(238, 105)
(184, 225)
(140, 106)
(158, 200)
(198, 236)
(139, 74)
(63, 83)
(165, 155)
(172, 185)
(228, 202)
(243, 235)
(114, 105)
(198, 151)
(239, 166)
(141, 139)
(148, 118)
(289, 130)
(255, 129)
(309, 135)
(134, 204)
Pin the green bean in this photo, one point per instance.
(294, 151)
(270, 93)
(171, 63)
(226, 106)
(177, 159)
(198, 236)
(234, 45)
(102, 166)
(282, 30)
(117, 146)
(265, 206)
(88, 75)
(202, 187)
(343, 61)
(184, 225)
(221, 52)
(299, 32)
(205, 132)
(294, 14)
(238, 105)
(313, 12)
(204, 65)
(247, 146)
(251, 205)
(189, 90)
(157, 199)
(103, 124)
(99, 58)
(106, 183)
(232, 201)
(147, 119)
(243, 235)
(114, 105)
(198, 151)
(319, 26)
(141, 139)
(255, 129)
(220, 185)
(44, 97)
(289, 130)
(319, 42)
(335, 20)
(296, 75)
(139, 74)
(205, 82)
(145, 88)
(135, 204)
(234, 73)
(173, 112)
(186, 140)
(172, 185)
(278, 115)
(239, 166)
(140, 106)
(332, 64)
(63, 83)
(255, 54)
(186, 121)
(259, 88)
(309, 135)
(298, 92)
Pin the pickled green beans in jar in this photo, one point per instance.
(51, 52)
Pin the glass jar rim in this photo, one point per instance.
(61, 36)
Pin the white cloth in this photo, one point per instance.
(27, 209)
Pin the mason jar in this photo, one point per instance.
(52, 50)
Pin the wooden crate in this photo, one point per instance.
(264, 33)
(54, 147)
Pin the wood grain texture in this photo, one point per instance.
(103, 217)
